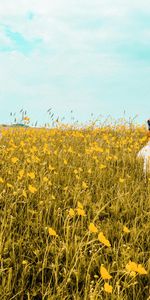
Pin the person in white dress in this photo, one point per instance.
(144, 153)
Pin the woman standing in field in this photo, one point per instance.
(144, 153)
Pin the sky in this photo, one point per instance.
(88, 57)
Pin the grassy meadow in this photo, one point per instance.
(74, 214)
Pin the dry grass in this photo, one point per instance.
(48, 251)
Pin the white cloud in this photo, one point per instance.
(56, 21)
(62, 7)
(4, 40)
(45, 6)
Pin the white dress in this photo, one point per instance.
(145, 154)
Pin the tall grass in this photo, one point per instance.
(53, 184)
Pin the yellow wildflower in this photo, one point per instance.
(108, 288)
(32, 189)
(26, 119)
(31, 175)
(1, 180)
(84, 185)
(81, 212)
(24, 262)
(14, 160)
(126, 229)
(9, 185)
(71, 212)
(24, 194)
(104, 273)
(45, 179)
(141, 270)
(75, 171)
(20, 174)
(131, 266)
(92, 228)
(22, 144)
(51, 231)
(121, 180)
(134, 267)
(115, 157)
(102, 166)
(51, 168)
(103, 239)
(66, 188)
(70, 150)
(80, 205)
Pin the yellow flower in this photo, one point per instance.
(65, 162)
(55, 152)
(115, 157)
(22, 144)
(32, 189)
(75, 171)
(14, 160)
(1, 180)
(51, 168)
(71, 212)
(70, 150)
(102, 166)
(79, 204)
(51, 231)
(104, 273)
(141, 270)
(126, 229)
(24, 262)
(45, 179)
(21, 173)
(24, 194)
(9, 185)
(31, 175)
(81, 212)
(92, 228)
(66, 188)
(108, 288)
(26, 119)
(121, 180)
(84, 185)
(103, 239)
(131, 266)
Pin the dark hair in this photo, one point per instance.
(148, 122)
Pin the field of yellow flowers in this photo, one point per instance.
(74, 214)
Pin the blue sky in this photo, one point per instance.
(85, 56)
